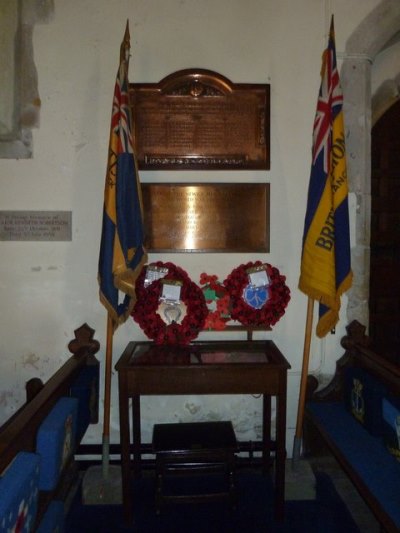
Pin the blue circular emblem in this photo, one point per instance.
(256, 297)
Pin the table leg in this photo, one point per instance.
(125, 456)
(137, 436)
(280, 456)
(266, 436)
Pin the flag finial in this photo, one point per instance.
(125, 45)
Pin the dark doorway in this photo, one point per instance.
(384, 300)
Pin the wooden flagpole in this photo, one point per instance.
(107, 396)
(102, 484)
(303, 380)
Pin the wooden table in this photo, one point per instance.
(233, 367)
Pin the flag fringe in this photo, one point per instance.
(117, 319)
(329, 320)
(325, 299)
(125, 282)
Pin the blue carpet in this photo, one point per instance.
(327, 514)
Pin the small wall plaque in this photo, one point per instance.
(35, 225)
(218, 217)
(198, 119)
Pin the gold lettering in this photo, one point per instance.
(324, 243)
(326, 237)
(338, 183)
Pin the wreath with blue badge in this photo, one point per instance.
(258, 294)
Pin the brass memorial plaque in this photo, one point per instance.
(198, 119)
(206, 217)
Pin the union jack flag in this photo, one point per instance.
(325, 263)
(329, 104)
(121, 117)
(122, 253)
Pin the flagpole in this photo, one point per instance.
(122, 234)
(123, 56)
(107, 396)
(303, 381)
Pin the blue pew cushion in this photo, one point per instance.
(86, 390)
(19, 493)
(55, 441)
(363, 399)
(53, 520)
(366, 453)
(391, 425)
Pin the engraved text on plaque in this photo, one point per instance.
(35, 225)
(198, 119)
(206, 217)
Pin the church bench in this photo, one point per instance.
(38, 442)
(354, 418)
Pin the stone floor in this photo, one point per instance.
(300, 484)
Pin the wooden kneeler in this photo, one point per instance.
(188, 449)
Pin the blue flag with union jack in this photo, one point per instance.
(122, 253)
(325, 264)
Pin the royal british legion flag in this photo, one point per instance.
(122, 252)
(325, 264)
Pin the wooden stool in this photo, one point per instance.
(193, 448)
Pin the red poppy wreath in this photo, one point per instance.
(177, 323)
(260, 304)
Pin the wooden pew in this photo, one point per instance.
(19, 432)
(347, 419)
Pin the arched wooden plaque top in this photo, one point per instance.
(198, 119)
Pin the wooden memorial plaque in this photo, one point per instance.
(206, 217)
(198, 119)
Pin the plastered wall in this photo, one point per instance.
(48, 289)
